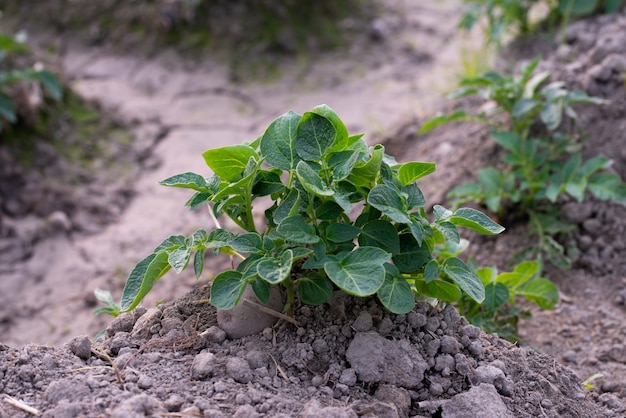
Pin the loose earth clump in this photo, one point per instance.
(347, 358)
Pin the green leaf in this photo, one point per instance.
(171, 243)
(438, 289)
(435, 122)
(296, 229)
(227, 288)
(50, 83)
(510, 141)
(230, 162)
(315, 136)
(594, 164)
(179, 258)
(361, 272)
(476, 221)
(387, 199)
(343, 163)
(412, 256)
(186, 181)
(364, 174)
(142, 278)
(7, 109)
(523, 107)
(431, 271)
(449, 231)
(395, 293)
(219, 238)
(261, 290)
(342, 140)
(314, 289)
(274, 270)
(198, 199)
(288, 207)
(198, 262)
(328, 211)
(414, 196)
(410, 172)
(340, 232)
(612, 6)
(278, 143)
(496, 295)
(577, 7)
(542, 292)
(311, 181)
(467, 280)
(267, 183)
(250, 242)
(521, 274)
(608, 186)
(381, 234)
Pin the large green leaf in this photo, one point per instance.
(186, 181)
(476, 221)
(288, 207)
(296, 229)
(230, 162)
(340, 232)
(410, 172)
(275, 270)
(278, 143)
(142, 278)
(227, 288)
(361, 272)
(521, 274)
(267, 183)
(382, 234)
(387, 199)
(542, 292)
(395, 293)
(467, 280)
(343, 163)
(250, 242)
(315, 136)
(577, 7)
(314, 289)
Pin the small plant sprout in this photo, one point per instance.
(588, 383)
(343, 216)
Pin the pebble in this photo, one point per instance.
(239, 370)
(203, 365)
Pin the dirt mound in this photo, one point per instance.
(347, 359)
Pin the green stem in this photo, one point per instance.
(291, 296)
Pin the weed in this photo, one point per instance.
(344, 215)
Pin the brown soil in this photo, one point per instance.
(348, 358)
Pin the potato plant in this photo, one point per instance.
(343, 216)
(11, 76)
(540, 165)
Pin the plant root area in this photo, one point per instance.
(60, 240)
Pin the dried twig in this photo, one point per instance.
(20, 405)
(99, 351)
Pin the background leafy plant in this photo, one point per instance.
(344, 215)
(12, 75)
(540, 164)
(513, 16)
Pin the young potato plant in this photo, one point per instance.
(344, 215)
(498, 312)
(536, 170)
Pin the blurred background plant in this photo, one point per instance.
(245, 33)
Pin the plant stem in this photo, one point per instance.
(291, 296)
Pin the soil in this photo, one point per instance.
(348, 358)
